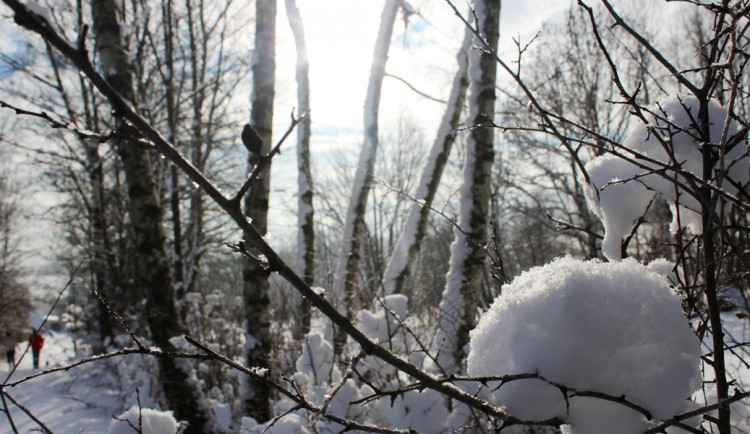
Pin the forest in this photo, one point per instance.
(399, 216)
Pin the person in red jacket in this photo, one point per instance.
(37, 342)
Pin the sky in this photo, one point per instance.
(423, 53)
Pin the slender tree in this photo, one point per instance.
(152, 264)
(255, 278)
(458, 308)
(196, 70)
(306, 235)
(15, 300)
(410, 240)
(89, 190)
(345, 280)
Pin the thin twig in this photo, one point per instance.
(28, 412)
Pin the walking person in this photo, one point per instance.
(37, 342)
(10, 342)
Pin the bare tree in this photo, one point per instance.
(458, 308)
(15, 300)
(542, 185)
(345, 281)
(152, 268)
(409, 242)
(255, 277)
(305, 212)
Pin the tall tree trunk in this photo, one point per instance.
(152, 272)
(255, 279)
(413, 232)
(173, 175)
(306, 231)
(101, 262)
(710, 266)
(101, 257)
(458, 308)
(199, 140)
(345, 282)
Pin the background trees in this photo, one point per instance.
(583, 106)
(570, 78)
(15, 299)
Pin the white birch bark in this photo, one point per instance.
(152, 272)
(255, 279)
(409, 242)
(345, 280)
(305, 230)
(458, 307)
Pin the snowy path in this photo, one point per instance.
(78, 401)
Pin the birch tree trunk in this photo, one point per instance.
(409, 242)
(345, 280)
(255, 279)
(306, 231)
(458, 308)
(152, 266)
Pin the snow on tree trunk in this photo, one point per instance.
(152, 271)
(255, 279)
(306, 231)
(458, 307)
(346, 272)
(409, 241)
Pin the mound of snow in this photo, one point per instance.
(613, 328)
(149, 421)
(380, 325)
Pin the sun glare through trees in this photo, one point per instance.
(393, 216)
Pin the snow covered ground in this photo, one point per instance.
(81, 400)
(84, 399)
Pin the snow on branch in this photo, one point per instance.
(668, 157)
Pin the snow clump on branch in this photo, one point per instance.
(145, 420)
(588, 326)
(664, 157)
